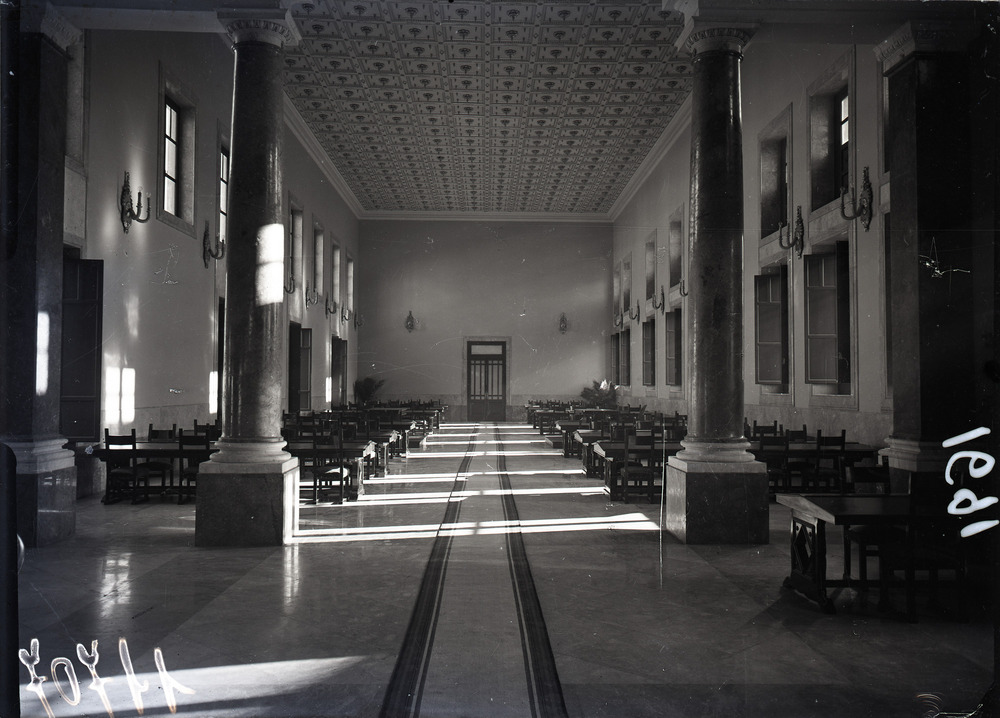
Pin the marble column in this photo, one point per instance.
(715, 491)
(246, 492)
(31, 294)
(936, 251)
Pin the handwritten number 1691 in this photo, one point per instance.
(980, 464)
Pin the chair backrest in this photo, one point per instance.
(760, 430)
(201, 441)
(835, 441)
(162, 434)
(797, 434)
(210, 430)
(121, 449)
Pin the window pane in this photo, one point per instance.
(169, 196)
(170, 122)
(822, 314)
(170, 159)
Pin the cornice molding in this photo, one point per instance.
(299, 129)
(680, 122)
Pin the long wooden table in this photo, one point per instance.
(609, 455)
(852, 453)
(810, 515)
(360, 453)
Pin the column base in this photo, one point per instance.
(907, 457)
(46, 491)
(247, 503)
(716, 502)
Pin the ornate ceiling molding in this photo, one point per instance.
(473, 109)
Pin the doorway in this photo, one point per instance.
(486, 369)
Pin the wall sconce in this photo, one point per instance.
(290, 287)
(207, 252)
(311, 296)
(862, 210)
(410, 323)
(619, 319)
(330, 307)
(663, 302)
(128, 212)
(563, 323)
(346, 314)
(796, 238)
(635, 316)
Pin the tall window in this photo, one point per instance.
(223, 193)
(828, 328)
(616, 367)
(626, 357)
(175, 157)
(350, 284)
(335, 288)
(773, 185)
(672, 334)
(829, 143)
(771, 315)
(319, 240)
(675, 238)
(293, 272)
(171, 156)
(650, 269)
(648, 353)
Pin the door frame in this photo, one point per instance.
(508, 345)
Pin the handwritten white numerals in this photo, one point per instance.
(68, 686)
(965, 501)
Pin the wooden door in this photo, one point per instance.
(487, 381)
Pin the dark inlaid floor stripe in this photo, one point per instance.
(544, 687)
(402, 696)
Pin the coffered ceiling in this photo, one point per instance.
(487, 107)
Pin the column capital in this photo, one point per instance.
(702, 36)
(52, 24)
(271, 26)
(916, 36)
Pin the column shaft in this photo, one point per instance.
(254, 300)
(715, 271)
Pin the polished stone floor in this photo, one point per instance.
(482, 575)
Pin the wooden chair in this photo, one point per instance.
(932, 545)
(826, 464)
(124, 476)
(189, 465)
(774, 454)
(869, 538)
(161, 467)
(641, 465)
(329, 468)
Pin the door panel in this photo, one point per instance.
(487, 381)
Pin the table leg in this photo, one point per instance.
(808, 570)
